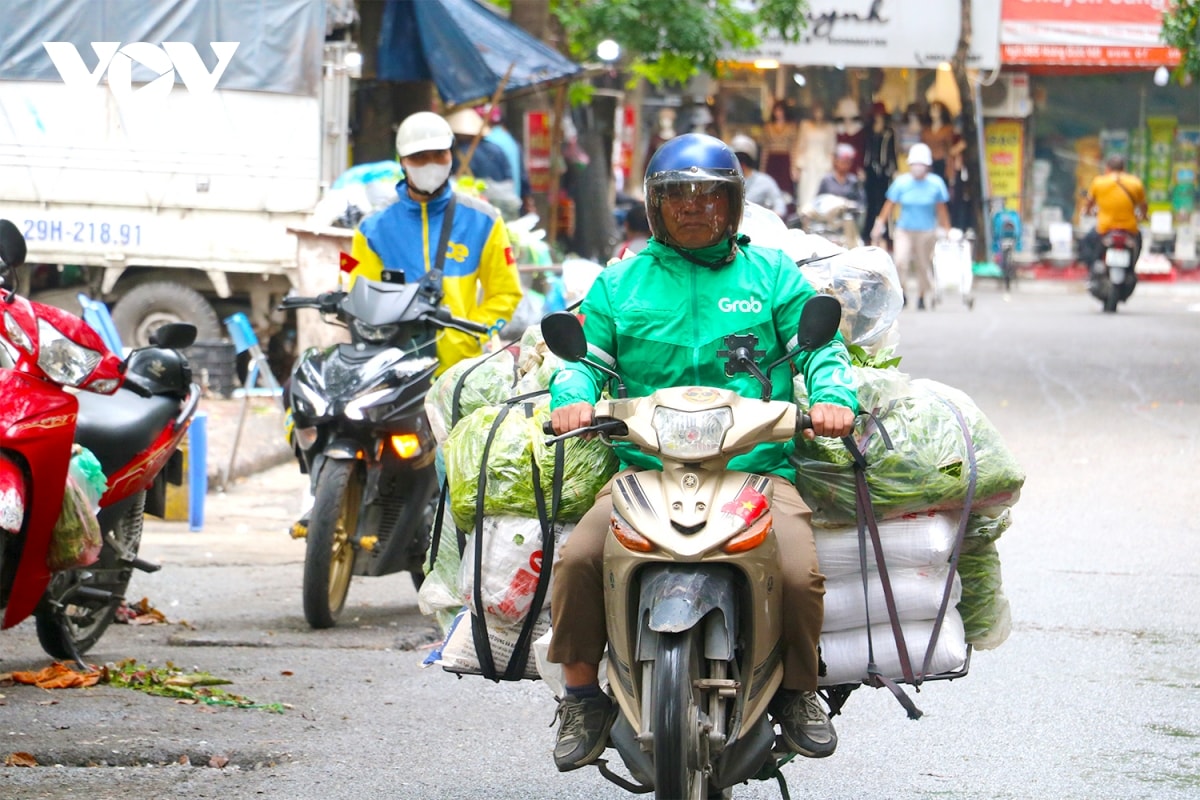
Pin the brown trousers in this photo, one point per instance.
(577, 599)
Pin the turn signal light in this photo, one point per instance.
(406, 445)
(750, 538)
(628, 537)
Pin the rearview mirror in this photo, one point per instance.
(174, 335)
(12, 245)
(819, 321)
(564, 336)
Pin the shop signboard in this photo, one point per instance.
(886, 33)
(1183, 173)
(537, 150)
(1003, 145)
(1161, 140)
(1096, 33)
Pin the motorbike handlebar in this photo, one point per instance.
(327, 302)
(442, 319)
(599, 425)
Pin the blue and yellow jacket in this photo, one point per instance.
(480, 273)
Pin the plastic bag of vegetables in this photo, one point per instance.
(926, 466)
(76, 539)
(505, 442)
(866, 282)
(481, 381)
(987, 617)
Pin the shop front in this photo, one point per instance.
(1094, 80)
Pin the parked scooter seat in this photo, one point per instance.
(117, 427)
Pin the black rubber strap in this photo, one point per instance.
(479, 632)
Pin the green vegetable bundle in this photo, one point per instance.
(986, 615)
(925, 469)
(517, 443)
(485, 380)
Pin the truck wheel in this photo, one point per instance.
(147, 306)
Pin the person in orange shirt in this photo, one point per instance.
(1119, 200)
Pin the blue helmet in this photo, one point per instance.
(703, 163)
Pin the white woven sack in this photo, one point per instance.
(917, 592)
(915, 540)
(845, 652)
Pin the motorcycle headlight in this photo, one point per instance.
(375, 334)
(363, 400)
(691, 435)
(308, 401)
(63, 360)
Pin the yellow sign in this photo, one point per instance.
(1004, 144)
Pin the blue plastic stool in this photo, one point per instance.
(95, 313)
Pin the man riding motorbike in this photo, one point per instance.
(480, 278)
(658, 319)
(1119, 200)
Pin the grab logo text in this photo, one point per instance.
(752, 305)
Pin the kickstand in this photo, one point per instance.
(69, 640)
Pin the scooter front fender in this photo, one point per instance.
(675, 598)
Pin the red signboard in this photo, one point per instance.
(1096, 33)
(537, 150)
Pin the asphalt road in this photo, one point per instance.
(1094, 695)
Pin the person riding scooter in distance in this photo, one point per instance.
(658, 320)
(1119, 200)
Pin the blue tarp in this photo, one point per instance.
(464, 49)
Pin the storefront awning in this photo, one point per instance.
(1098, 33)
(465, 50)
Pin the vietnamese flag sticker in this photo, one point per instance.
(347, 262)
(749, 505)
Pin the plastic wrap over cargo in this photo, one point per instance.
(512, 565)
(457, 653)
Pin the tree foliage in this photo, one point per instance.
(1181, 29)
(672, 40)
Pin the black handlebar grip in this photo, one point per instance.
(548, 428)
(803, 423)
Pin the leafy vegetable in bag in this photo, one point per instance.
(986, 614)
(926, 467)
(488, 383)
(517, 441)
(76, 540)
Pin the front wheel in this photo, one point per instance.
(329, 554)
(677, 718)
(80, 604)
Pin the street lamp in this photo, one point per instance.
(608, 51)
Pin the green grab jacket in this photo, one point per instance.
(658, 320)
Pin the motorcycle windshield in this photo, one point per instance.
(378, 303)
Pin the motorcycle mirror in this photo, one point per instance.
(175, 335)
(564, 336)
(819, 321)
(12, 245)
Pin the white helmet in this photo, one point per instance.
(741, 143)
(920, 154)
(423, 131)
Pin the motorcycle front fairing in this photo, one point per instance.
(645, 591)
(37, 428)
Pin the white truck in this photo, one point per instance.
(163, 162)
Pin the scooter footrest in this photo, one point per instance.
(145, 566)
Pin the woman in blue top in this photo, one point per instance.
(924, 217)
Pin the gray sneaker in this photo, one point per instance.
(583, 731)
(805, 725)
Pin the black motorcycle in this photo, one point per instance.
(1113, 277)
(360, 432)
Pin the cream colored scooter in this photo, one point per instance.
(691, 573)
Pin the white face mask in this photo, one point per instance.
(918, 170)
(427, 178)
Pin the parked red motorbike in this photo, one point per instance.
(131, 414)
